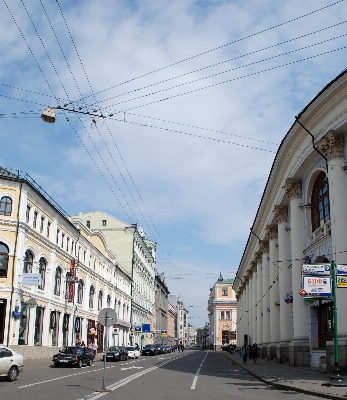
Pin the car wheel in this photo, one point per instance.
(79, 364)
(12, 374)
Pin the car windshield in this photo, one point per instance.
(158, 345)
(114, 348)
(149, 346)
(129, 348)
(72, 350)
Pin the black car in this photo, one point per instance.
(167, 349)
(160, 348)
(116, 353)
(149, 350)
(73, 355)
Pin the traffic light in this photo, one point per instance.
(131, 333)
(115, 331)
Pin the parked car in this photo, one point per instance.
(132, 352)
(167, 349)
(159, 348)
(116, 353)
(11, 363)
(73, 355)
(149, 350)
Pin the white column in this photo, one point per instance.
(250, 307)
(246, 309)
(272, 233)
(264, 245)
(259, 300)
(281, 213)
(332, 146)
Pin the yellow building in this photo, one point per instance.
(40, 310)
(222, 311)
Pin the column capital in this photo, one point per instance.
(253, 266)
(272, 232)
(293, 188)
(281, 213)
(264, 246)
(332, 145)
(258, 257)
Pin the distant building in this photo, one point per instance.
(136, 255)
(161, 309)
(171, 323)
(181, 320)
(222, 310)
(202, 335)
(192, 332)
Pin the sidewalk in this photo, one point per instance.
(300, 379)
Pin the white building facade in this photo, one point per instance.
(302, 218)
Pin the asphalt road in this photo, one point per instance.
(190, 375)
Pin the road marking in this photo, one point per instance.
(197, 373)
(124, 381)
(123, 369)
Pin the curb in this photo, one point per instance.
(281, 386)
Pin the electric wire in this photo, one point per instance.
(220, 47)
(222, 62)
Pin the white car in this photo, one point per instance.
(132, 352)
(11, 363)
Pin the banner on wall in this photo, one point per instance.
(31, 279)
(316, 286)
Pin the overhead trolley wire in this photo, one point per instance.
(219, 47)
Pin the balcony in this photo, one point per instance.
(320, 233)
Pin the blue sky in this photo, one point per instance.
(201, 92)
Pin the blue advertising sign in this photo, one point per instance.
(138, 329)
(146, 328)
(341, 269)
(316, 286)
(316, 269)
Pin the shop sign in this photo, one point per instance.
(342, 281)
(317, 286)
(341, 269)
(138, 329)
(146, 328)
(316, 269)
(31, 279)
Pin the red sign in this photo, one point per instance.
(72, 268)
(302, 292)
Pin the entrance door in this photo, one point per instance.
(2, 319)
(100, 330)
(325, 324)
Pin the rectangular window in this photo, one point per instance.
(62, 240)
(58, 231)
(48, 229)
(27, 214)
(227, 314)
(104, 222)
(42, 223)
(88, 224)
(72, 246)
(35, 219)
(224, 291)
(84, 256)
(222, 315)
(67, 243)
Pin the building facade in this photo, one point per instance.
(302, 219)
(222, 312)
(137, 256)
(38, 240)
(161, 309)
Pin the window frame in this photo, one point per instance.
(57, 281)
(42, 272)
(320, 207)
(6, 203)
(4, 254)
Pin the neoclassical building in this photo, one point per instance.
(38, 240)
(137, 256)
(302, 218)
(222, 314)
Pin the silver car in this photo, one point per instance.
(132, 352)
(11, 363)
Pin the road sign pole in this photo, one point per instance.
(335, 379)
(105, 341)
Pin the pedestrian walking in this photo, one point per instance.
(94, 348)
(245, 352)
(255, 352)
(182, 348)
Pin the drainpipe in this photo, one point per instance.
(13, 260)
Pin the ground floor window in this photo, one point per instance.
(2, 319)
(325, 324)
(66, 329)
(54, 327)
(38, 326)
(78, 330)
(100, 337)
(24, 326)
(225, 337)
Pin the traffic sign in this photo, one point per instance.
(107, 317)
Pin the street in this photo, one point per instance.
(193, 374)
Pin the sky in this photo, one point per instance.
(196, 98)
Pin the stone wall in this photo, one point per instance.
(31, 352)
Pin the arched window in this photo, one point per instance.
(28, 262)
(100, 300)
(57, 281)
(3, 259)
(42, 272)
(6, 206)
(320, 202)
(108, 301)
(91, 296)
(80, 292)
